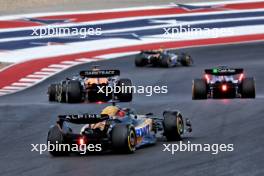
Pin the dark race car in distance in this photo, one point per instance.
(85, 87)
(162, 58)
(117, 129)
(223, 82)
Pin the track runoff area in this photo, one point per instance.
(27, 115)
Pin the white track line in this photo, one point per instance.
(71, 62)
(22, 84)
(13, 88)
(6, 90)
(50, 69)
(109, 56)
(58, 66)
(86, 60)
(36, 76)
(28, 80)
(43, 73)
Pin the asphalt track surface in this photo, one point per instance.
(27, 115)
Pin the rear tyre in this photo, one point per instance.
(52, 92)
(140, 62)
(93, 96)
(124, 138)
(61, 92)
(248, 88)
(125, 96)
(173, 125)
(199, 90)
(55, 137)
(186, 60)
(74, 92)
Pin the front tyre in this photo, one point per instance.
(248, 89)
(186, 60)
(124, 138)
(166, 62)
(173, 125)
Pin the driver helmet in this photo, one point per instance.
(113, 111)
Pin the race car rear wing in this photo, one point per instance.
(150, 51)
(99, 73)
(224, 71)
(83, 118)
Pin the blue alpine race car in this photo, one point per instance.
(117, 129)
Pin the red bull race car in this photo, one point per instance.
(116, 129)
(162, 58)
(223, 82)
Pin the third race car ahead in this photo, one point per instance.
(117, 129)
(223, 82)
(91, 86)
(162, 58)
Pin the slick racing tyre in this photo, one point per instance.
(173, 125)
(199, 90)
(186, 60)
(52, 92)
(140, 61)
(61, 92)
(93, 96)
(124, 138)
(248, 88)
(55, 137)
(73, 92)
(166, 61)
(125, 84)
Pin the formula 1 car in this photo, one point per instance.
(117, 129)
(163, 58)
(223, 82)
(91, 85)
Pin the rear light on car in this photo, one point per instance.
(207, 77)
(241, 76)
(224, 87)
(81, 141)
